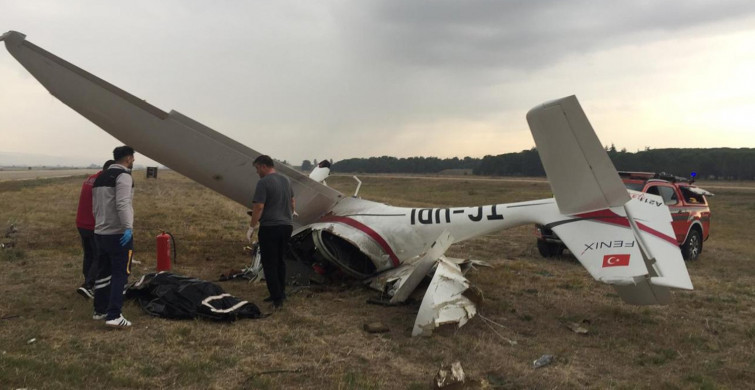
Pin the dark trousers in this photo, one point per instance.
(114, 263)
(273, 245)
(89, 267)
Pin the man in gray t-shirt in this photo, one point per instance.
(274, 193)
(273, 207)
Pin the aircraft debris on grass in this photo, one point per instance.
(392, 249)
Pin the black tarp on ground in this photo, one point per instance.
(174, 296)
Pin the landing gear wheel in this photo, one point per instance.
(692, 246)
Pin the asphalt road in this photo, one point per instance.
(25, 174)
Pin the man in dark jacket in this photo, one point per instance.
(112, 196)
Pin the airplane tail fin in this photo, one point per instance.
(580, 173)
(626, 241)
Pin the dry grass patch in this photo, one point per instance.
(704, 339)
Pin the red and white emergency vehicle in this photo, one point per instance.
(686, 202)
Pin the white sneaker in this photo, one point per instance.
(119, 322)
(99, 316)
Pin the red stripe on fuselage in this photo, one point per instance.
(368, 231)
(609, 216)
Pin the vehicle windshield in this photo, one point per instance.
(634, 186)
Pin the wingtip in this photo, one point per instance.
(12, 33)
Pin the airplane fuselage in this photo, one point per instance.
(390, 235)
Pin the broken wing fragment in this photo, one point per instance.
(444, 301)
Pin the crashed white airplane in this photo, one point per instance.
(394, 248)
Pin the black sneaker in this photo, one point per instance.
(270, 299)
(85, 292)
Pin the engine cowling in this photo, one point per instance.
(348, 249)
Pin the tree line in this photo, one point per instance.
(711, 163)
(387, 164)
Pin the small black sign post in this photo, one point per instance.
(152, 172)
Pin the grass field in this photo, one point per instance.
(704, 339)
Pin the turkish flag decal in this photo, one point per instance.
(615, 261)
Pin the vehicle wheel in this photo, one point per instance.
(543, 248)
(692, 246)
(548, 249)
(558, 249)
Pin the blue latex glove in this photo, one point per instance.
(126, 237)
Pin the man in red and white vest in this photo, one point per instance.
(85, 224)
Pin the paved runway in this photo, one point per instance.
(25, 174)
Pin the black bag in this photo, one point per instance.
(174, 296)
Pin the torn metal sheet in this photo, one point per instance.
(386, 281)
(412, 270)
(467, 264)
(423, 266)
(449, 376)
(444, 302)
(543, 361)
(577, 328)
(391, 281)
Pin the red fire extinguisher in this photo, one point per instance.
(163, 251)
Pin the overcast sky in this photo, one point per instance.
(339, 79)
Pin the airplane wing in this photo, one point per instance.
(174, 140)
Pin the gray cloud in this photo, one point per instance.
(525, 34)
(346, 78)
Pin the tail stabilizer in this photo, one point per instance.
(580, 173)
(631, 248)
